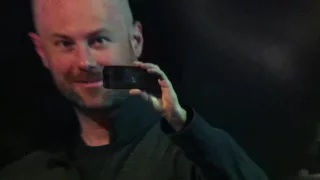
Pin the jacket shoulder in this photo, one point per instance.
(27, 166)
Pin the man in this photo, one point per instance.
(122, 134)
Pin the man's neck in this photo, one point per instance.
(115, 125)
(95, 128)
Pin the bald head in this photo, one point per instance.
(73, 35)
(119, 10)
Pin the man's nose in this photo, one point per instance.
(86, 60)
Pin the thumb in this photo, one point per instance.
(157, 103)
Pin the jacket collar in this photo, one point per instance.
(130, 120)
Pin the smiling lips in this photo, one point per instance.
(95, 81)
(92, 84)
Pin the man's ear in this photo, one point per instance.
(137, 39)
(38, 47)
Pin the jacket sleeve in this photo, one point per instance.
(212, 150)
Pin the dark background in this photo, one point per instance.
(249, 67)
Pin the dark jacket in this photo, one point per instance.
(146, 148)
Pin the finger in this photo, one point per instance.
(137, 63)
(135, 91)
(143, 94)
(164, 83)
(150, 65)
(145, 65)
(157, 103)
(158, 72)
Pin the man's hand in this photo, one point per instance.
(168, 104)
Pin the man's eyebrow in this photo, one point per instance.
(90, 34)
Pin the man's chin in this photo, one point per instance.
(97, 105)
(105, 100)
(102, 103)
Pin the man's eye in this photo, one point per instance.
(98, 41)
(64, 44)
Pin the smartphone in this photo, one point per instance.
(131, 77)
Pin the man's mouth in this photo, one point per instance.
(97, 82)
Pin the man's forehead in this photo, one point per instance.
(40, 6)
(50, 12)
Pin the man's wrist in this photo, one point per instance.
(177, 122)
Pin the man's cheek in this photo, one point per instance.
(122, 55)
(62, 64)
(63, 72)
(107, 57)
